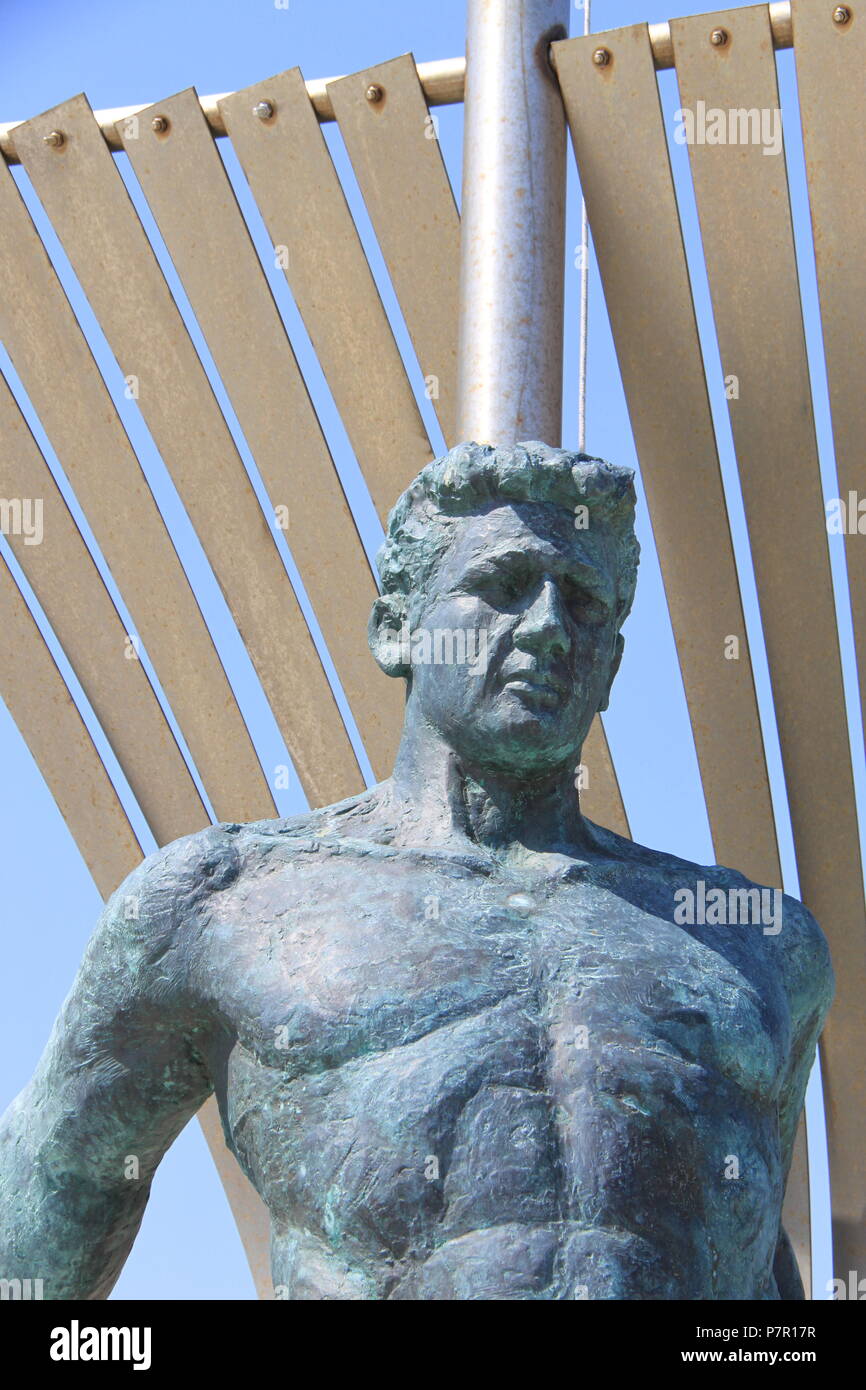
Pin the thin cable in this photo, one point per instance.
(584, 299)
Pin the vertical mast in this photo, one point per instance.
(513, 225)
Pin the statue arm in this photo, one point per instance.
(119, 1078)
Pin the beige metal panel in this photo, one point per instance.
(745, 217)
(662, 40)
(796, 1210)
(292, 177)
(249, 1211)
(601, 799)
(619, 140)
(402, 176)
(210, 246)
(831, 60)
(84, 196)
(442, 80)
(55, 365)
(73, 596)
(38, 700)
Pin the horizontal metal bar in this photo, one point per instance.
(442, 81)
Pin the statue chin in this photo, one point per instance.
(515, 751)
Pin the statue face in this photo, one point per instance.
(537, 601)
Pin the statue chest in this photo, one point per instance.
(428, 1049)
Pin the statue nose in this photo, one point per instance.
(543, 624)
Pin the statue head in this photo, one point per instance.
(506, 575)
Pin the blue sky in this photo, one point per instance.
(122, 54)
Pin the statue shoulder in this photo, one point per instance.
(791, 937)
(790, 930)
(804, 954)
(363, 817)
(148, 915)
(172, 886)
(713, 893)
(202, 862)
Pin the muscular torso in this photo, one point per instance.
(455, 1079)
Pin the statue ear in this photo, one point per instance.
(388, 640)
(618, 646)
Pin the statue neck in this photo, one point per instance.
(452, 803)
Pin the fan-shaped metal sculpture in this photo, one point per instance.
(486, 326)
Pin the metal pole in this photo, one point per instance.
(513, 225)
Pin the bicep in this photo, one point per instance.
(122, 1065)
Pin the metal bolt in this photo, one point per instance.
(719, 37)
(264, 110)
(601, 57)
(841, 14)
(159, 125)
(55, 138)
(374, 92)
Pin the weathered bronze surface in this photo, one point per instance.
(465, 1043)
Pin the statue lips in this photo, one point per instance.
(539, 687)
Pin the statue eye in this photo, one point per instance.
(500, 585)
(584, 605)
(578, 601)
(512, 583)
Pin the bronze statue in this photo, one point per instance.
(465, 1043)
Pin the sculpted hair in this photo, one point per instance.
(474, 477)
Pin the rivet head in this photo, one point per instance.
(601, 57)
(159, 125)
(841, 14)
(719, 37)
(374, 92)
(264, 110)
(54, 138)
